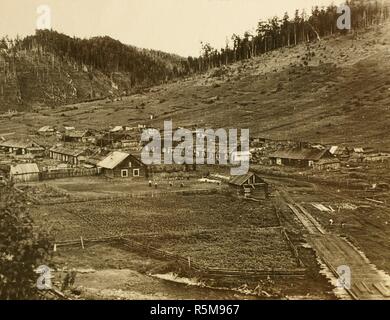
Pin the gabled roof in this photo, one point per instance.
(46, 129)
(76, 134)
(24, 168)
(68, 151)
(117, 129)
(338, 151)
(15, 144)
(300, 154)
(241, 180)
(113, 159)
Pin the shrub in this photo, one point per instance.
(22, 248)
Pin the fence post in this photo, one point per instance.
(82, 242)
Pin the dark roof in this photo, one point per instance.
(15, 144)
(93, 160)
(300, 154)
(67, 151)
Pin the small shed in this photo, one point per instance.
(122, 165)
(250, 185)
(26, 172)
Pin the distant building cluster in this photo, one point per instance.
(115, 153)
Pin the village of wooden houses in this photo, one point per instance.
(54, 153)
(93, 188)
(310, 219)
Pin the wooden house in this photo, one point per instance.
(67, 155)
(77, 136)
(303, 157)
(17, 147)
(122, 165)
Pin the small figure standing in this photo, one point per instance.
(331, 222)
(150, 183)
(155, 185)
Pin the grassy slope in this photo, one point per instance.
(342, 97)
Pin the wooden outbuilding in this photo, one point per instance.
(26, 172)
(305, 158)
(250, 185)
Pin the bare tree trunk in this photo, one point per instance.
(315, 31)
(295, 34)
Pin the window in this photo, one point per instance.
(136, 173)
(130, 165)
(125, 173)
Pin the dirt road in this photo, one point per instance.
(365, 281)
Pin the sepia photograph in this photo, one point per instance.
(194, 150)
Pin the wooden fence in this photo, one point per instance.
(73, 172)
(145, 194)
(292, 247)
(187, 263)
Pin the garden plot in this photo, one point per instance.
(63, 225)
(216, 231)
(175, 214)
(158, 215)
(261, 249)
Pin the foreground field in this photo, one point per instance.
(165, 214)
(261, 249)
(215, 230)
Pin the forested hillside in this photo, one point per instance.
(52, 69)
(276, 32)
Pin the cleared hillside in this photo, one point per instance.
(342, 96)
(53, 69)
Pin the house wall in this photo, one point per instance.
(17, 151)
(64, 158)
(259, 192)
(327, 166)
(291, 162)
(27, 177)
(118, 171)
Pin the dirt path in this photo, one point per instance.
(366, 281)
